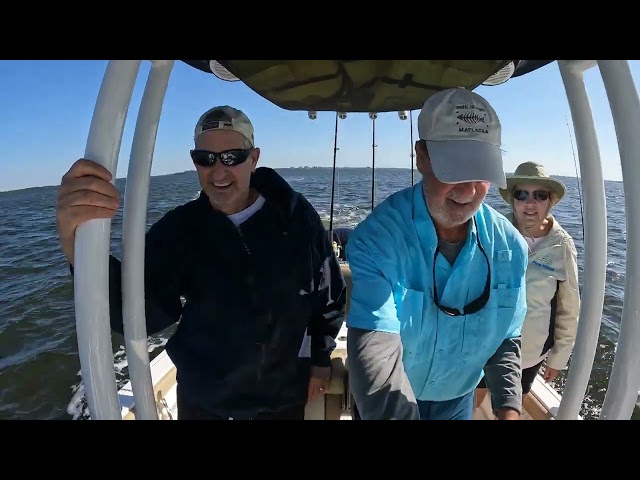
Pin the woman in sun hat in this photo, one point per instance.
(553, 299)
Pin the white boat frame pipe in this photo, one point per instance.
(92, 242)
(595, 238)
(624, 383)
(133, 239)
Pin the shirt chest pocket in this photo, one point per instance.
(484, 331)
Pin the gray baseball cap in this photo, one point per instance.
(463, 136)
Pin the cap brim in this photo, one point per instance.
(459, 161)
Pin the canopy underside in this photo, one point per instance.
(357, 85)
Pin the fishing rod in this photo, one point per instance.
(411, 150)
(373, 117)
(333, 180)
(575, 163)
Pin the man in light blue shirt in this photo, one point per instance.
(438, 295)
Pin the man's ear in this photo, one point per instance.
(421, 156)
(255, 156)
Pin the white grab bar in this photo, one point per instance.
(133, 240)
(91, 253)
(624, 383)
(595, 238)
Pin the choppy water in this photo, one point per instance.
(39, 364)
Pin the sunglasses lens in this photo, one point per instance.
(203, 158)
(521, 195)
(541, 195)
(233, 157)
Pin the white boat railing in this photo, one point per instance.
(624, 383)
(91, 252)
(133, 239)
(93, 240)
(595, 238)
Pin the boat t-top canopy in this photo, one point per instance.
(361, 85)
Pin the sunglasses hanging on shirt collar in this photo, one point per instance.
(474, 306)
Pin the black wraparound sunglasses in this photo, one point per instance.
(228, 158)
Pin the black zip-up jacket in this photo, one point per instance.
(250, 293)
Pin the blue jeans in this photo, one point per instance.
(460, 408)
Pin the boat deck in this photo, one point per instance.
(541, 404)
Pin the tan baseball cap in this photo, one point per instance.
(225, 117)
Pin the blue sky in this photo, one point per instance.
(46, 108)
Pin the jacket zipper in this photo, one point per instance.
(260, 344)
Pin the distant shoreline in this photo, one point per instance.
(282, 168)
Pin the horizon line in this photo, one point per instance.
(302, 167)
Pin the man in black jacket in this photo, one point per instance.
(263, 292)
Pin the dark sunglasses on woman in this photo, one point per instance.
(538, 195)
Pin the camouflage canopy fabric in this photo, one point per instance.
(359, 85)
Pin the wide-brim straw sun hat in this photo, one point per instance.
(532, 172)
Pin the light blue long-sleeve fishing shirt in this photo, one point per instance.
(391, 256)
